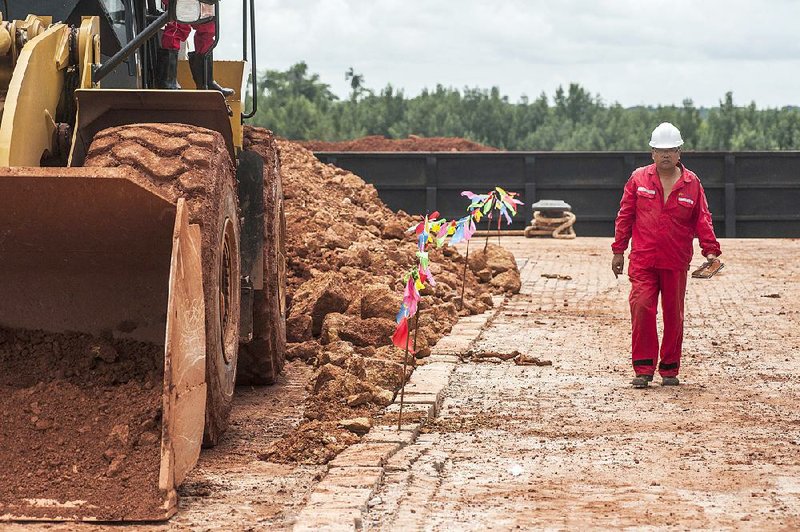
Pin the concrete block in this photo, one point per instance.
(404, 459)
(453, 345)
(390, 423)
(421, 398)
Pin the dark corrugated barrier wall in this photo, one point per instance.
(751, 194)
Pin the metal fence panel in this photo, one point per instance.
(751, 194)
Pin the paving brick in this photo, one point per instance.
(389, 435)
(339, 499)
(314, 519)
(393, 410)
(330, 496)
(365, 455)
(351, 477)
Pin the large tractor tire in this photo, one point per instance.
(193, 163)
(262, 359)
(222, 317)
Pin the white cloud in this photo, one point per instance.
(634, 52)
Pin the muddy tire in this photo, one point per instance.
(222, 318)
(262, 360)
(193, 163)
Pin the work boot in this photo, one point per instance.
(202, 67)
(670, 381)
(641, 381)
(167, 69)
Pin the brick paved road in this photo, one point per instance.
(573, 446)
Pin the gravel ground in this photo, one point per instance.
(574, 446)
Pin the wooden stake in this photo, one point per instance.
(488, 225)
(405, 358)
(464, 278)
(416, 328)
(403, 381)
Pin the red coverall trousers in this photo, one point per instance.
(646, 284)
(662, 232)
(175, 34)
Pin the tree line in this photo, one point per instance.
(298, 105)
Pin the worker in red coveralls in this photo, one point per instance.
(663, 208)
(201, 61)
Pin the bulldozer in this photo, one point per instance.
(142, 258)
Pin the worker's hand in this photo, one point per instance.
(617, 263)
(710, 257)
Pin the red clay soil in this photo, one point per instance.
(412, 143)
(337, 223)
(340, 235)
(80, 420)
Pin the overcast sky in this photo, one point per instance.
(631, 52)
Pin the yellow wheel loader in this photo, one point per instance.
(141, 258)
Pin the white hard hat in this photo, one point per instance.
(665, 135)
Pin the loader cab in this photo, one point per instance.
(121, 62)
(118, 24)
(121, 22)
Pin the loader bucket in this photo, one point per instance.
(102, 347)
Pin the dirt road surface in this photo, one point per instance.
(573, 446)
(569, 445)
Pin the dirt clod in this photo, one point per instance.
(525, 359)
(359, 425)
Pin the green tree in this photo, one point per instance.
(297, 104)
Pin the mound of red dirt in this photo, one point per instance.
(412, 143)
(346, 253)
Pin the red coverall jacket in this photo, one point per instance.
(663, 233)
